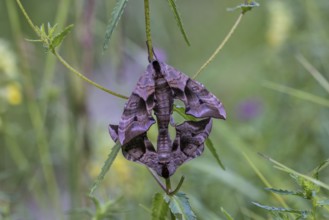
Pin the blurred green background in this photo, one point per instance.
(53, 126)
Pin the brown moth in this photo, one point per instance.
(156, 90)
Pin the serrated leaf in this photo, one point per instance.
(280, 209)
(178, 20)
(58, 39)
(180, 206)
(181, 111)
(159, 207)
(285, 192)
(107, 165)
(227, 215)
(213, 151)
(115, 17)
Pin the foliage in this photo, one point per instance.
(271, 75)
(309, 190)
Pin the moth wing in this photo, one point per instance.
(199, 102)
(135, 119)
(137, 114)
(145, 87)
(190, 138)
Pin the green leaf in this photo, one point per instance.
(181, 111)
(116, 15)
(285, 192)
(51, 30)
(322, 202)
(107, 165)
(180, 206)
(42, 28)
(159, 207)
(280, 209)
(245, 7)
(178, 20)
(213, 151)
(227, 215)
(58, 39)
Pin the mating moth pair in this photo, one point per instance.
(155, 91)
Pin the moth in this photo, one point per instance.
(155, 91)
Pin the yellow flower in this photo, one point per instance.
(7, 60)
(13, 94)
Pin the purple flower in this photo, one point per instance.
(249, 109)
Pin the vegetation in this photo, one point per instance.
(62, 82)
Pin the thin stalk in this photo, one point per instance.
(157, 179)
(148, 29)
(68, 66)
(168, 186)
(220, 47)
(178, 186)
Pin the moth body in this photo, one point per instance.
(163, 109)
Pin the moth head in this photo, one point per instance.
(156, 66)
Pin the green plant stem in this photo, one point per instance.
(178, 186)
(168, 186)
(157, 179)
(65, 63)
(220, 47)
(148, 29)
(68, 66)
(26, 16)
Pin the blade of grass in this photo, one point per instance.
(314, 72)
(173, 7)
(297, 93)
(264, 180)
